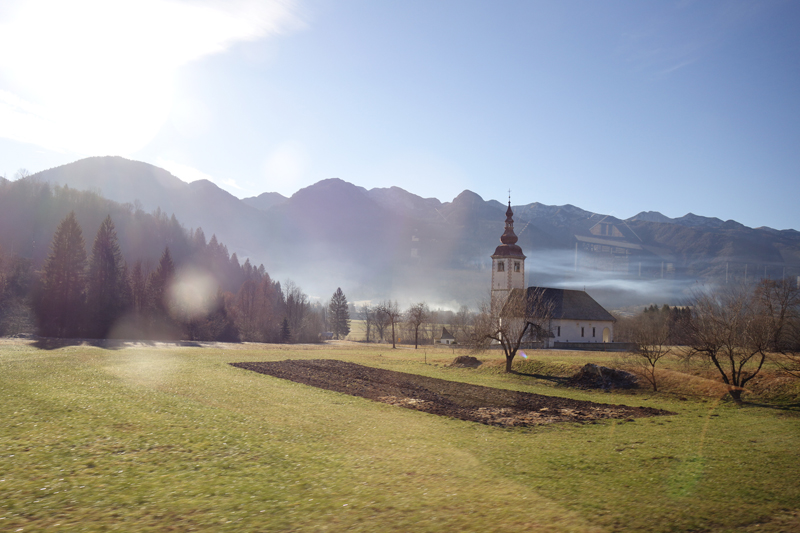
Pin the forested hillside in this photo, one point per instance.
(73, 264)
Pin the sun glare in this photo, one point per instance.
(97, 77)
(191, 294)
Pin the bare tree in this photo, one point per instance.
(790, 363)
(524, 315)
(304, 320)
(650, 332)
(16, 278)
(389, 313)
(22, 173)
(461, 323)
(246, 315)
(730, 327)
(430, 327)
(380, 322)
(368, 316)
(416, 316)
(780, 302)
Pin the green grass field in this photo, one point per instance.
(172, 438)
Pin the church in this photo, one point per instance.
(575, 317)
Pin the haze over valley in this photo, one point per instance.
(389, 243)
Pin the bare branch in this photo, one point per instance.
(388, 312)
(524, 316)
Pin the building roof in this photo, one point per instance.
(446, 335)
(569, 304)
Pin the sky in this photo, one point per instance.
(616, 107)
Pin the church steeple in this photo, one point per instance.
(509, 237)
(508, 261)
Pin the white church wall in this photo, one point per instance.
(581, 330)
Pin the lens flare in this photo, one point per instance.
(191, 294)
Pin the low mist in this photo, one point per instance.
(445, 287)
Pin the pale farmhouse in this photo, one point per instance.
(446, 337)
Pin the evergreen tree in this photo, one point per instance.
(199, 240)
(159, 281)
(138, 289)
(286, 335)
(339, 314)
(107, 283)
(60, 302)
(161, 324)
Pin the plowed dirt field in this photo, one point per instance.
(498, 407)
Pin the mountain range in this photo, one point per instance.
(390, 243)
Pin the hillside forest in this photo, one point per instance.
(142, 275)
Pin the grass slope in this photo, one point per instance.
(169, 438)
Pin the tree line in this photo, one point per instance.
(30, 212)
(99, 295)
(735, 328)
(417, 325)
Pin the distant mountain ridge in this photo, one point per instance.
(689, 220)
(386, 240)
(197, 204)
(264, 200)
(402, 201)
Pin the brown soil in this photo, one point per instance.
(498, 407)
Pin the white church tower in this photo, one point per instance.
(508, 263)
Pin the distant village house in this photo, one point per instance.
(446, 337)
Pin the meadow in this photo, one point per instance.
(166, 437)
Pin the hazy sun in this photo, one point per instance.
(97, 77)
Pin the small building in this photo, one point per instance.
(446, 337)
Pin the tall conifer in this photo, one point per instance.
(107, 282)
(138, 289)
(286, 334)
(159, 283)
(60, 303)
(160, 324)
(339, 314)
